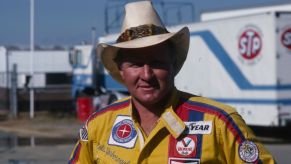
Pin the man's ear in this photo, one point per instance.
(121, 73)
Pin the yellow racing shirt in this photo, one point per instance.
(191, 130)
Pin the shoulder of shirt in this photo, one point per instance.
(206, 103)
(115, 106)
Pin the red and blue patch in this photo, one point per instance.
(123, 131)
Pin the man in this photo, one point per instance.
(158, 123)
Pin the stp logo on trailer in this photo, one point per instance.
(250, 44)
(286, 38)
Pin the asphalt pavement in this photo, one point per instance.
(47, 139)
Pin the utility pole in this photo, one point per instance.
(13, 92)
(31, 58)
(93, 33)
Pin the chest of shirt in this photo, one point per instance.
(125, 143)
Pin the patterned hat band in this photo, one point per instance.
(140, 32)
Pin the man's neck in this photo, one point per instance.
(148, 115)
(146, 111)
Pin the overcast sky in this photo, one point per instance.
(69, 22)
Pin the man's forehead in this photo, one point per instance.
(144, 56)
(158, 50)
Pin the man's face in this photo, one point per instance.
(148, 74)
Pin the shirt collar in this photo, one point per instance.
(170, 119)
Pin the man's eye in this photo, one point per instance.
(134, 64)
(158, 64)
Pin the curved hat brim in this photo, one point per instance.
(108, 52)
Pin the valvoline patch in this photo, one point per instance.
(123, 132)
(185, 147)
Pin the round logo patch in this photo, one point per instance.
(250, 44)
(123, 131)
(186, 146)
(286, 38)
(248, 151)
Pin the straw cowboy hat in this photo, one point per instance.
(142, 27)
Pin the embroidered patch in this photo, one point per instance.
(248, 151)
(183, 161)
(186, 146)
(123, 132)
(83, 134)
(199, 127)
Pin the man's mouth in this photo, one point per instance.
(147, 87)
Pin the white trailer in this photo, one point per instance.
(47, 63)
(3, 81)
(51, 79)
(3, 67)
(244, 62)
(214, 15)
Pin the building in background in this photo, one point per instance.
(214, 15)
(51, 79)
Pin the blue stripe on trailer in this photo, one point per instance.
(232, 69)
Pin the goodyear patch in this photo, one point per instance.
(199, 127)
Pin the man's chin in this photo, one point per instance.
(148, 99)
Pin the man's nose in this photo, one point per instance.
(147, 72)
